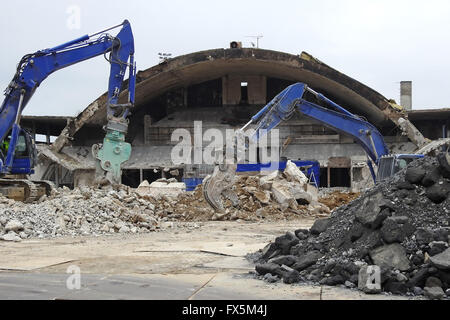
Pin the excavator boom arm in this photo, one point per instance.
(291, 99)
(280, 109)
(35, 68)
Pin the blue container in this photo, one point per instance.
(192, 183)
(311, 169)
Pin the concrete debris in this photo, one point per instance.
(434, 293)
(162, 187)
(10, 236)
(293, 173)
(13, 225)
(268, 197)
(392, 256)
(86, 211)
(442, 260)
(365, 283)
(403, 231)
(82, 211)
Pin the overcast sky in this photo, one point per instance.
(378, 42)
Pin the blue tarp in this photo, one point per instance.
(310, 168)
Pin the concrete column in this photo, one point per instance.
(147, 125)
(329, 176)
(57, 175)
(406, 94)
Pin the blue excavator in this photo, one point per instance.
(17, 147)
(297, 98)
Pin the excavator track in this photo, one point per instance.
(48, 185)
(20, 190)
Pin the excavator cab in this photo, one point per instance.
(24, 154)
(391, 164)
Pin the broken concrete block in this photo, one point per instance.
(299, 193)
(271, 268)
(291, 276)
(14, 225)
(262, 196)
(318, 208)
(431, 177)
(442, 260)
(169, 188)
(415, 175)
(369, 279)
(270, 278)
(307, 260)
(437, 247)
(438, 192)
(444, 164)
(266, 181)
(293, 173)
(282, 195)
(287, 260)
(313, 191)
(369, 212)
(393, 230)
(424, 236)
(392, 256)
(319, 226)
(11, 236)
(434, 293)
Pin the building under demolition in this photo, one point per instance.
(224, 88)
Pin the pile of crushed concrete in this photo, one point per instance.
(88, 211)
(401, 226)
(83, 211)
(276, 196)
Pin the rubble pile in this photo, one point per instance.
(276, 196)
(83, 211)
(400, 226)
(89, 211)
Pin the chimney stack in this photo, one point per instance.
(406, 94)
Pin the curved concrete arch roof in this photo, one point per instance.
(207, 65)
(202, 66)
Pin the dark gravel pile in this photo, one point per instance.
(401, 225)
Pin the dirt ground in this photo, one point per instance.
(209, 256)
(336, 199)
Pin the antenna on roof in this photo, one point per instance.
(257, 40)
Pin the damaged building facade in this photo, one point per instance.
(224, 88)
